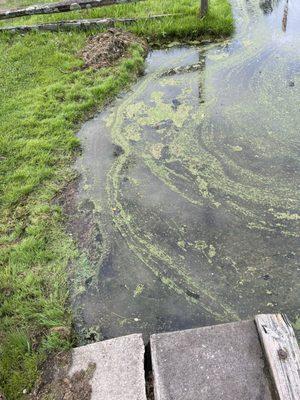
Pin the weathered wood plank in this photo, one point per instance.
(282, 353)
(79, 24)
(64, 6)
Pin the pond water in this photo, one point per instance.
(193, 177)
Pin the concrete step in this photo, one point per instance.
(222, 362)
(115, 368)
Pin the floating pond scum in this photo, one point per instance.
(192, 179)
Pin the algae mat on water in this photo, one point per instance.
(193, 183)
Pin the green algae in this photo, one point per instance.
(212, 251)
(296, 324)
(287, 216)
(160, 112)
(138, 290)
(203, 197)
(236, 148)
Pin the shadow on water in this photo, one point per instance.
(194, 176)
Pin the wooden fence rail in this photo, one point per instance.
(64, 6)
(80, 24)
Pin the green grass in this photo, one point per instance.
(44, 97)
(40, 106)
(217, 23)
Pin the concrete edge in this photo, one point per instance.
(101, 352)
(203, 328)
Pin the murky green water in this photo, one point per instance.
(194, 177)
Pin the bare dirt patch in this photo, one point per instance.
(57, 384)
(105, 49)
(79, 221)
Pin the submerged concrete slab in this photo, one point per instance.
(222, 362)
(115, 368)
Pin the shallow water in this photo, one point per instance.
(194, 180)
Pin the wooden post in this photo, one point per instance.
(203, 8)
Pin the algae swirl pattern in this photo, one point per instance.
(199, 188)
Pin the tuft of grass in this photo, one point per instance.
(44, 96)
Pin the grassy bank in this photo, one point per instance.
(44, 97)
(217, 23)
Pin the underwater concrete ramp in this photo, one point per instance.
(248, 360)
